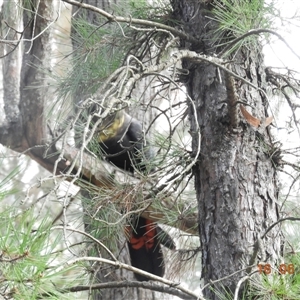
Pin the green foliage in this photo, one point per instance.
(236, 18)
(5, 184)
(156, 11)
(103, 220)
(102, 47)
(140, 8)
(30, 252)
(281, 283)
(98, 53)
(27, 257)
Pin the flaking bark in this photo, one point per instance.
(236, 182)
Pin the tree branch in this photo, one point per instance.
(256, 32)
(277, 222)
(133, 269)
(129, 21)
(95, 171)
(125, 284)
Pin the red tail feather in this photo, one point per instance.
(144, 248)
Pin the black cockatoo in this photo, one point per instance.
(123, 144)
(121, 140)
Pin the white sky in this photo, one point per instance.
(278, 54)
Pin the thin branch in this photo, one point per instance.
(258, 244)
(126, 284)
(94, 170)
(34, 37)
(212, 282)
(290, 187)
(89, 236)
(278, 222)
(121, 265)
(276, 79)
(134, 75)
(238, 286)
(129, 21)
(257, 32)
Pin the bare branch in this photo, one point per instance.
(133, 269)
(256, 32)
(126, 284)
(89, 236)
(278, 222)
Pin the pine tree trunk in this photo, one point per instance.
(235, 180)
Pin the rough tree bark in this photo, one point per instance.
(235, 180)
